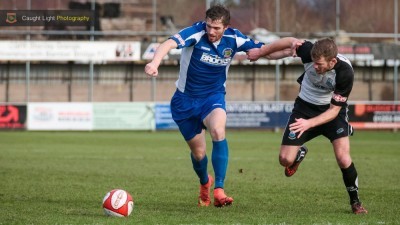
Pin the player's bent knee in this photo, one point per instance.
(217, 134)
(344, 163)
(284, 161)
(198, 155)
(343, 160)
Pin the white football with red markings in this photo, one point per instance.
(118, 203)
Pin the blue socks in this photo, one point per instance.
(219, 160)
(200, 167)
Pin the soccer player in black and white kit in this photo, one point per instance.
(320, 108)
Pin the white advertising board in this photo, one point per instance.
(123, 116)
(69, 51)
(60, 116)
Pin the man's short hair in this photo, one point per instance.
(325, 47)
(219, 12)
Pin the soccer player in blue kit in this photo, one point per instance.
(320, 108)
(198, 104)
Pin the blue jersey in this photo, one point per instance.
(204, 66)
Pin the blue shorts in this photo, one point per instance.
(189, 112)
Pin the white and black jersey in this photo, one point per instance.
(317, 92)
(334, 86)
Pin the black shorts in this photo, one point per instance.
(337, 128)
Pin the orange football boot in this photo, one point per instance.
(204, 197)
(220, 198)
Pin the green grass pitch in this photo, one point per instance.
(61, 178)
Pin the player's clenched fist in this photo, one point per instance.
(151, 70)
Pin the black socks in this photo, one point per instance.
(350, 179)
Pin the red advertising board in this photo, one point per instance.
(12, 116)
(375, 116)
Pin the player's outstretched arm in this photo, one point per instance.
(151, 68)
(282, 54)
(278, 49)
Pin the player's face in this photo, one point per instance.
(322, 65)
(215, 29)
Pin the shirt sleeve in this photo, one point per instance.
(189, 36)
(304, 52)
(245, 43)
(344, 84)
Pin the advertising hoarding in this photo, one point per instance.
(123, 116)
(60, 116)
